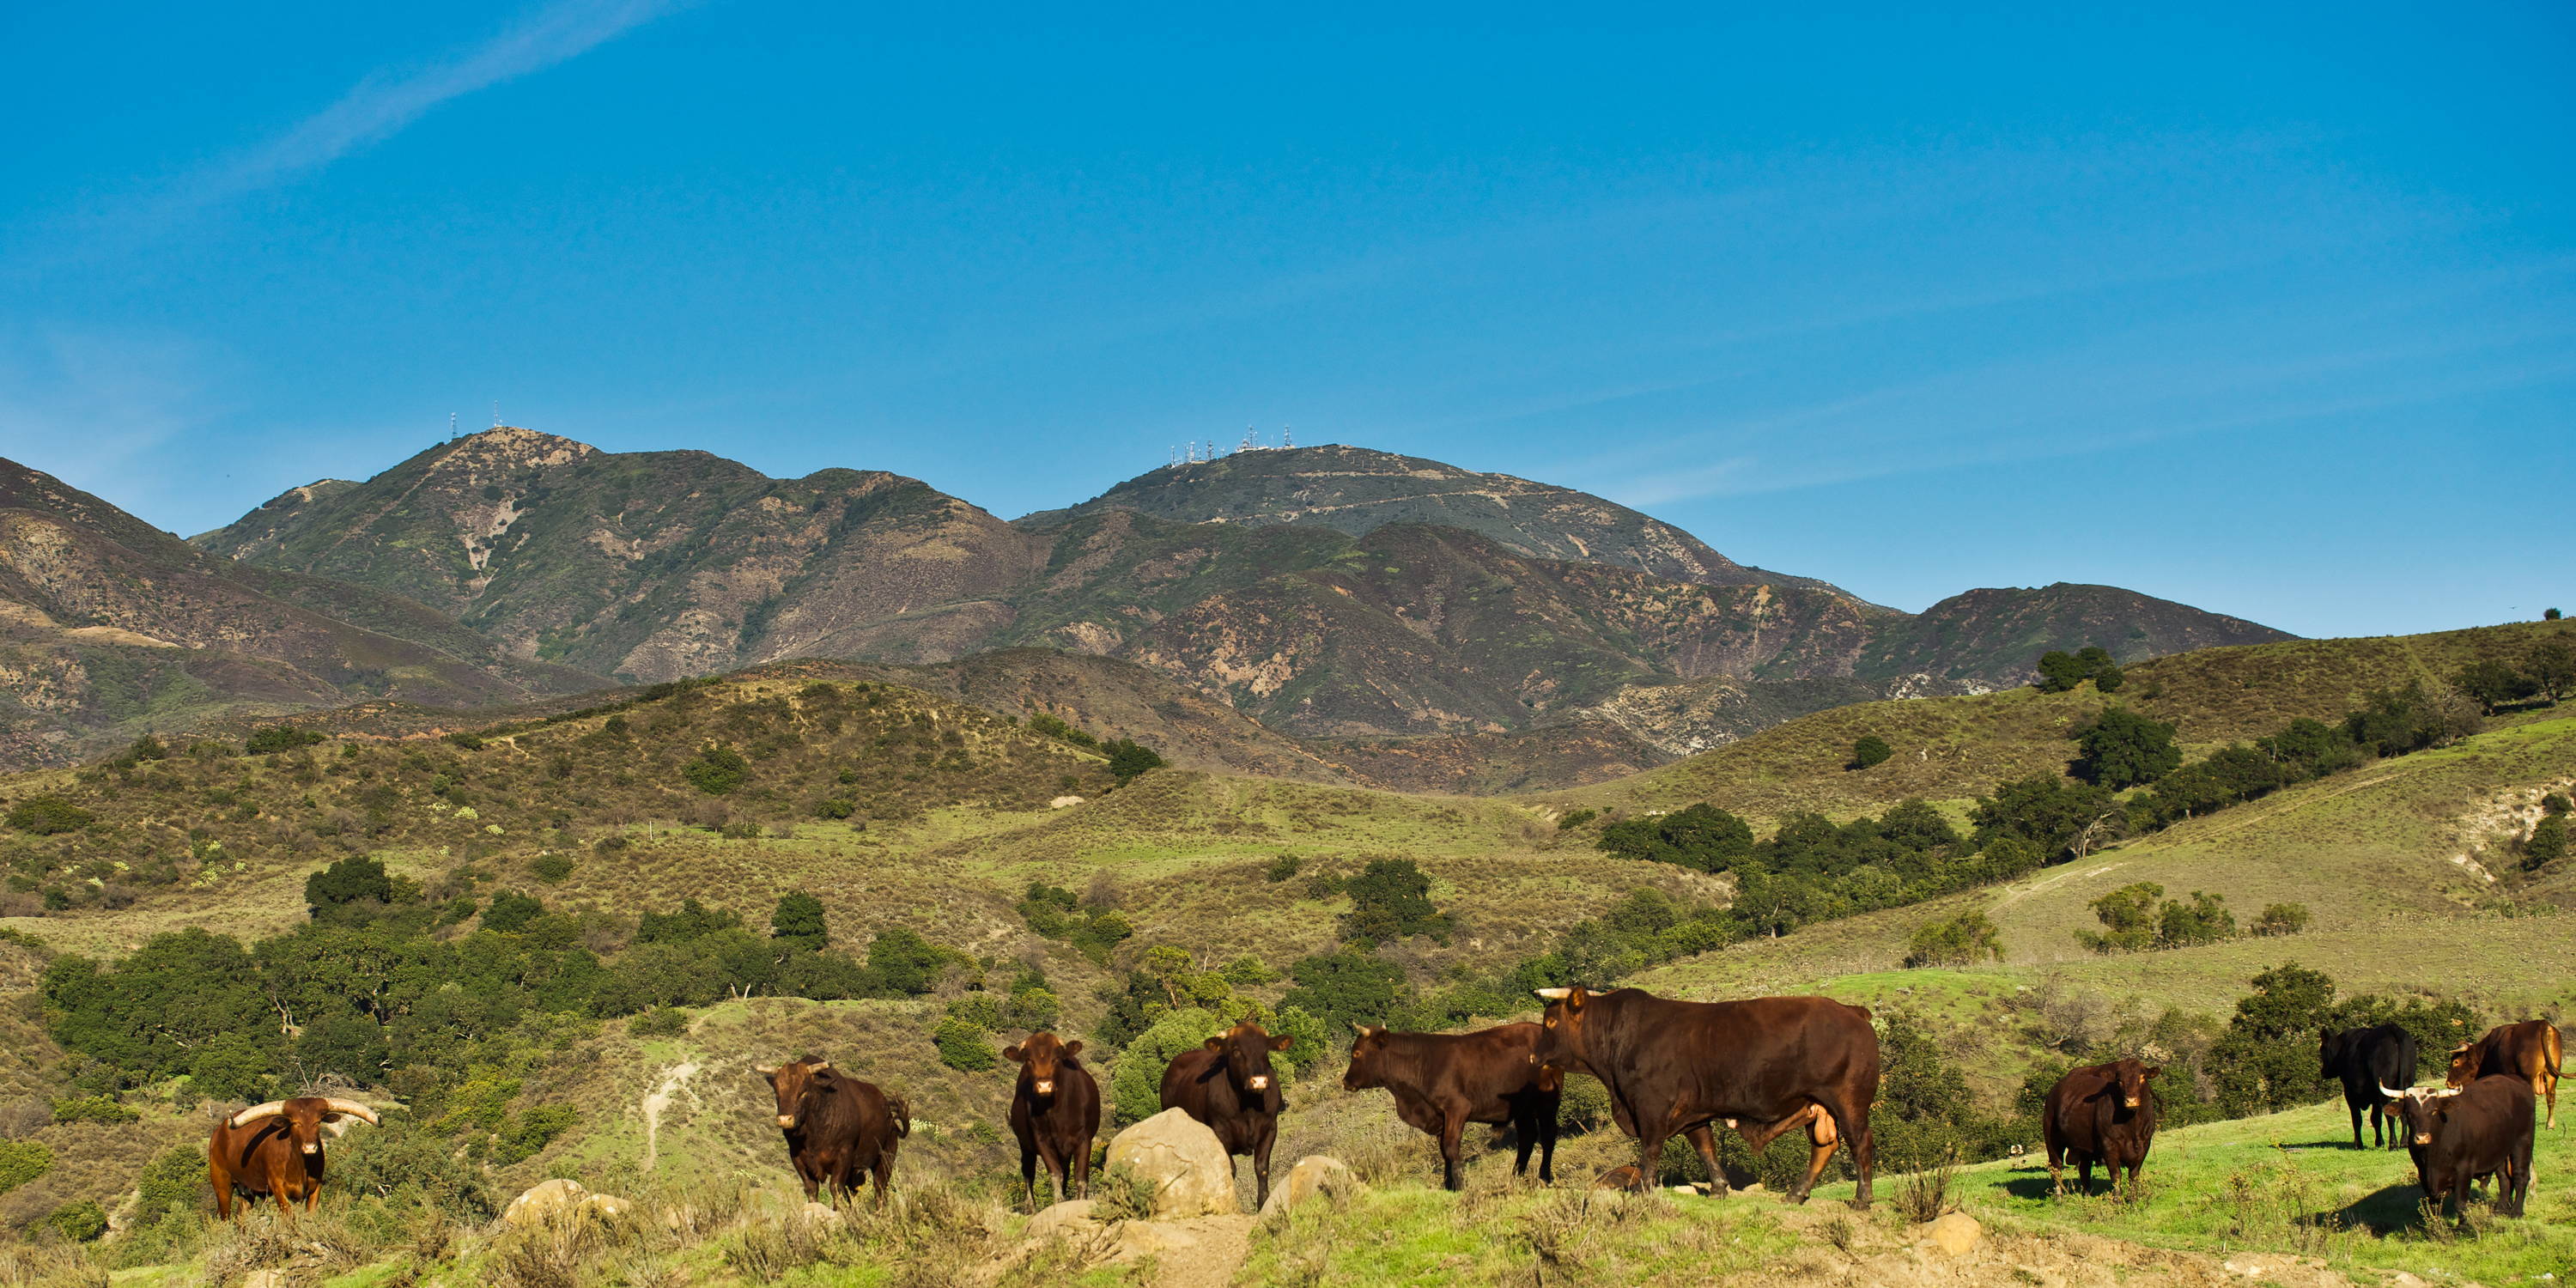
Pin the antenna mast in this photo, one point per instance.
(496, 413)
(1286, 439)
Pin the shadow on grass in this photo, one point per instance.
(2384, 1212)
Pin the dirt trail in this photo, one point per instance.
(674, 1082)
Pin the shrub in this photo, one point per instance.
(2281, 919)
(1282, 868)
(2133, 921)
(835, 807)
(551, 868)
(2548, 843)
(467, 740)
(48, 816)
(1576, 818)
(799, 920)
(511, 912)
(968, 1047)
(358, 879)
(22, 1161)
(1344, 987)
(1870, 750)
(1129, 759)
(80, 1222)
(660, 1022)
(1136, 1085)
(278, 738)
(1959, 941)
(907, 962)
(1391, 899)
(1701, 836)
(93, 1109)
(717, 771)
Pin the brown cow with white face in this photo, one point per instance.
(275, 1150)
(1228, 1084)
(2099, 1113)
(838, 1128)
(1055, 1111)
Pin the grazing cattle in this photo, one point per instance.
(2100, 1113)
(2528, 1051)
(1442, 1082)
(2366, 1060)
(1227, 1084)
(275, 1149)
(1055, 1111)
(1675, 1067)
(837, 1127)
(2465, 1134)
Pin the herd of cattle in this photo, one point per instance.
(1761, 1067)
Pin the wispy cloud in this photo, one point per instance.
(382, 104)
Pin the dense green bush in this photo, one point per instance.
(1128, 759)
(278, 738)
(717, 771)
(1391, 899)
(2281, 919)
(2133, 920)
(798, 920)
(2548, 842)
(1957, 941)
(551, 867)
(1346, 986)
(964, 1045)
(2060, 671)
(22, 1161)
(1136, 1085)
(1870, 750)
(49, 816)
(2124, 749)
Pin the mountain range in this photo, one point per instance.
(1367, 607)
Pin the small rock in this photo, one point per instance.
(1070, 1219)
(607, 1207)
(2404, 1280)
(264, 1279)
(1315, 1174)
(1956, 1235)
(818, 1214)
(1191, 1173)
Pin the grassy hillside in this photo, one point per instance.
(1959, 747)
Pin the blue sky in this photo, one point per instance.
(2271, 309)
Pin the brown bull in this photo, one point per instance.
(1055, 1111)
(838, 1128)
(275, 1150)
(1227, 1084)
(2099, 1113)
(1443, 1081)
(1672, 1068)
(2528, 1051)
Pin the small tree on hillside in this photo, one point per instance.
(2552, 667)
(2548, 843)
(1129, 759)
(1391, 899)
(799, 920)
(2267, 1059)
(2282, 919)
(1959, 941)
(1870, 750)
(354, 883)
(2124, 749)
(2492, 684)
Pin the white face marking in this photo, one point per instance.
(787, 1120)
(312, 1149)
(1046, 1087)
(1260, 1082)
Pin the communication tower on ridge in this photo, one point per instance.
(1251, 440)
(1286, 439)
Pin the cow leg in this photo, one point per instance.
(1261, 1162)
(2355, 1106)
(1547, 1147)
(1705, 1141)
(1029, 1172)
(1852, 1125)
(2084, 1174)
(1524, 1139)
(1650, 1155)
(1452, 1128)
(1081, 1162)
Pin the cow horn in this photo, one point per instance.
(2393, 1093)
(822, 1066)
(765, 1070)
(354, 1109)
(1553, 994)
(257, 1112)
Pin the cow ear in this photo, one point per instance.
(1283, 1042)
(2153, 1071)
(1074, 1047)
(1574, 999)
(1216, 1043)
(1012, 1053)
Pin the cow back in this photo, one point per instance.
(858, 1116)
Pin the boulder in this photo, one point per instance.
(1071, 1219)
(544, 1201)
(1954, 1235)
(1315, 1174)
(1190, 1171)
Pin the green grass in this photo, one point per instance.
(2290, 1183)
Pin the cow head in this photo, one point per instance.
(1560, 1034)
(1366, 1051)
(2421, 1111)
(1244, 1053)
(304, 1118)
(798, 1084)
(1039, 1058)
(2132, 1076)
(2329, 1053)
(2464, 1065)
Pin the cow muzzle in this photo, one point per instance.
(2129, 1101)
(1044, 1086)
(787, 1120)
(313, 1149)
(1258, 1082)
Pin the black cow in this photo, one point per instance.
(1055, 1111)
(2366, 1060)
(1672, 1068)
(837, 1127)
(2463, 1135)
(1443, 1081)
(2101, 1113)
(1227, 1084)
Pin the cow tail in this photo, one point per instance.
(902, 1117)
(2549, 1049)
